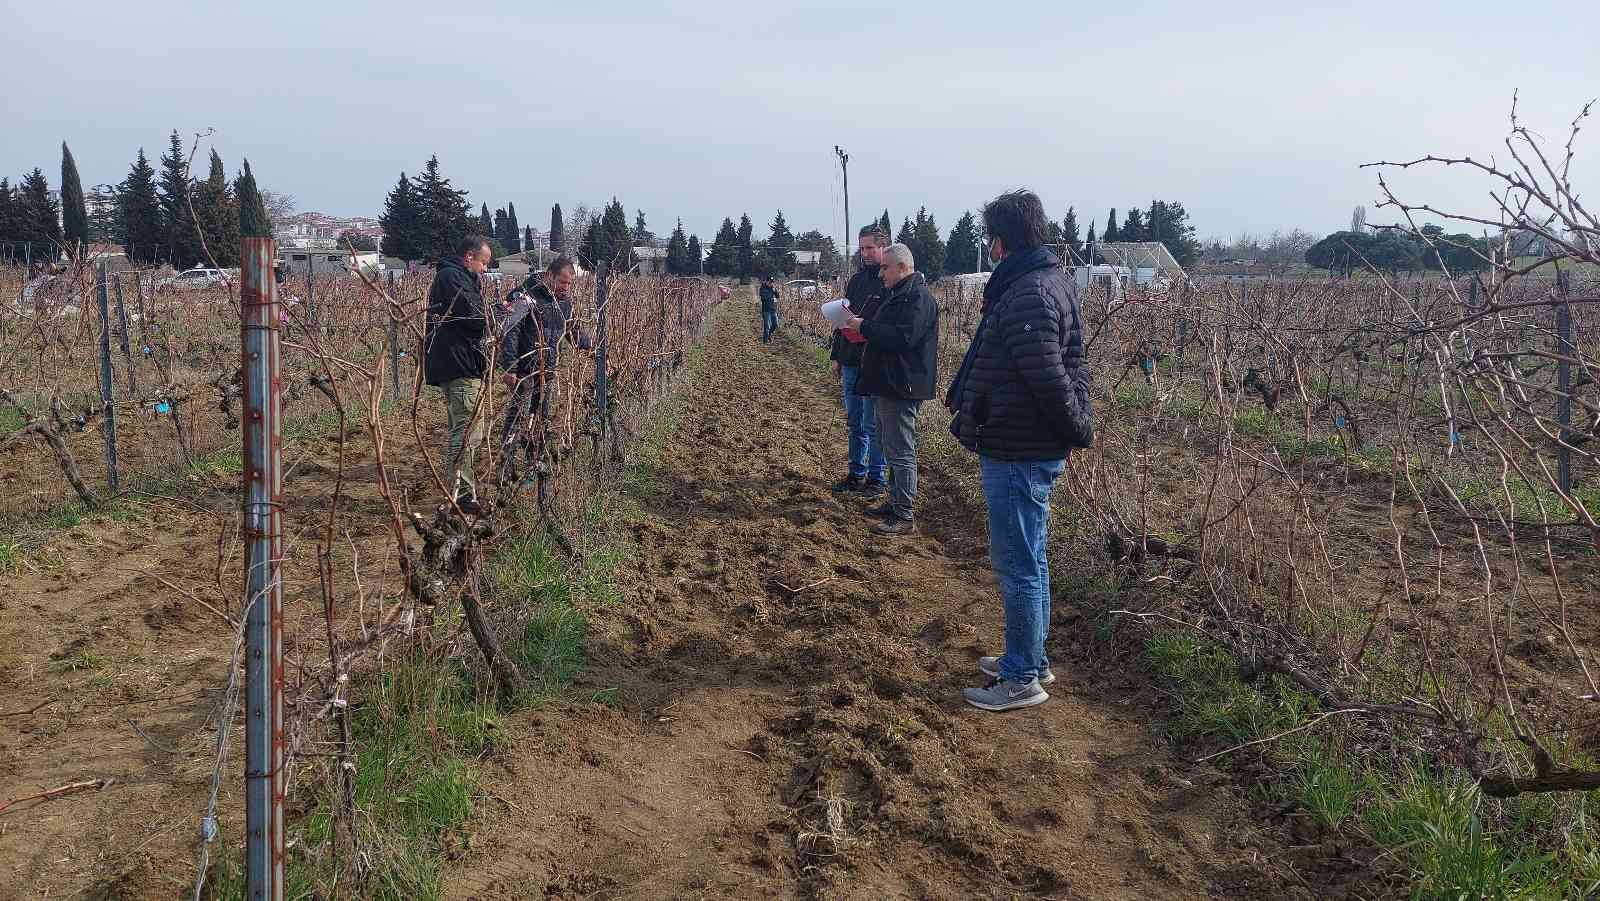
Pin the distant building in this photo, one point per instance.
(652, 260)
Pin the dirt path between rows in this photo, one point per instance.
(788, 722)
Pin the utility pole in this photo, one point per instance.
(844, 166)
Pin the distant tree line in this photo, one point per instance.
(1394, 250)
(168, 217)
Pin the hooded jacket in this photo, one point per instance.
(453, 348)
(1022, 393)
(539, 322)
(900, 357)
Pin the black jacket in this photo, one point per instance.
(456, 326)
(900, 359)
(769, 299)
(535, 328)
(1023, 390)
(864, 291)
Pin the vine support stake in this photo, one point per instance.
(263, 530)
(600, 286)
(1564, 384)
(107, 400)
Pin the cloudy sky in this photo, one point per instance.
(1253, 115)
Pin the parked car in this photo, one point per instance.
(199, 278)
(800, 287)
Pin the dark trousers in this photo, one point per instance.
(526, 402)
(897, 430)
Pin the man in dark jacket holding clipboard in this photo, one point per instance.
(1021, 403)
(899, 364)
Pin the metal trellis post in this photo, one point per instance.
(600, 348)
(1564, 385)
(107, 401)
(394, 344)
(263, 531)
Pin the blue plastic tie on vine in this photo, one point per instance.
(163, 407)
(1455, 438)
(402, 354)
(1148, 365)
(1338, 422)
(146, 350)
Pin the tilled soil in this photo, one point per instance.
(787, 718)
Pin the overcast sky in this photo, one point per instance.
(1253, 115)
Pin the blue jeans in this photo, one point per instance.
(1018, 496)
(866, 454)
(769, 324)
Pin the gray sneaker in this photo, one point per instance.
(1000, 695)
(990, 666)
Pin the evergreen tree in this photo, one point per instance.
(586, 245)
(402, 222)
(1133, 226)
(1111, 233)
(724, 257)
(446, 216)
(1069, 233)
(216, 213)
(38, 215)
(961, 251)
(780, 247)
(747, 260)
(678, 252)
(558, 237)
(138, 223)
(929, 248)
(485, 225)
(642, 237)
(527, 237)
(1169, 224)
(618, 238)
(8, 218)
(74, 215)
(884, 225)
(513, 230)
(1090, 258)
(254, 220)
(499, 232)
(907, 235)
(177, 221)
(691, 261)
(828, 263)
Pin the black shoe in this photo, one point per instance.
(848, 485)
(882, 511)
(894, 525)
(469, 505)
(870, 489)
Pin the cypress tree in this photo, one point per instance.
(678, 252)
(691, 262)
(1111, 232)
(558, 231)
(641, 235)
(616, 239)
(591, 248)
(38, 215)
(513, 230)
(747, 259)
(499, 231)
(961, 251)
(724, 257)
(929, 248)
(485, 224)
(1133, 226)
(253, 219)
(74, 215)
(527, 237)
(138, 224)
(1089, 245)
(8, 217)
(884, 226)
(217, 215)
(402, 223)
(1069, 233)
(780, 247)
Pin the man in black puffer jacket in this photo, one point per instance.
(898, 367)
(454, 358)
(1021, 402)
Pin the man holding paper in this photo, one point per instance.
(867, 474)
(899, 363)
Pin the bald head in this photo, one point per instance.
(898, 263)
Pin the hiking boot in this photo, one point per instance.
(882, 511)
(990, 666)
(894, 525)
(469, 505)
(848, 485)
(869, 489)
(1000, 695)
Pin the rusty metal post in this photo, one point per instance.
(263, 531)
(394, 344)
(600, 286)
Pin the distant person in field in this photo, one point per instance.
(769, 309)
(538, 319)
(455, 361)
(898, 368)
(868, 473)
(1021, 403)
